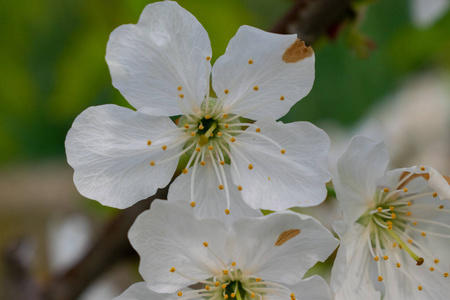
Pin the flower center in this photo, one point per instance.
(394, 224)
(231, 283)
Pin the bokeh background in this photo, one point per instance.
(385, 73)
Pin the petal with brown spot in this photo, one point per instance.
(286, 236)
(296, 52)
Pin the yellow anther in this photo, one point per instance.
(164, 147)
(180, 294)
(431, 269)
(201, 127)
(256, 88)
(436, 261)
(211, 134)
(380, 278)
(233, 139)
(250, 61)
(398, 265)
(233, 295)
(408, 213)
(441, 206)
(227, 211)
(239, 188)
(193, 203)
(225, 296)
(172, 269)
(394, 245)
(423, 234)
(185, 171)
(226, 91)
(181, 96)
(386, 190)
(226, 126)
(252, 295)
(394, 216)
(415, 223)
(379, 208)
(225, 272)
(202, 162)
(152, 163)
(198, 149)
(225, 116)
(222, 162)
(445, 274)
(207, 287)
(233, 263)
(205, 244)
(281, 98)
(258, 279)
(405, 190)
(390, 227)
(376, 258)
(219, 134)
(268, 178)
(388, 222)
(283, 151)
(216, 283)
(149, 142)
(186, 126)
(208, 117)
(208, 58)
(410, 241)
(210, 147)
(400, 246)
(385, 257)
(434, 195)
(391, 208)
(224, 286)
(220, 186)
(419, 287)
(292, 295)
(409, 203)
(258, 130)
(250, 166)
(422, 168)
(192, 133)
(179, 88)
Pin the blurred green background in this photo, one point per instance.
(53, 67)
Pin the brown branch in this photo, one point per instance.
(311, 19)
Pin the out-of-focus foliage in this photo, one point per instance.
(52, 58)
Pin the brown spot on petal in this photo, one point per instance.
(286, 236)
(296, 52)
(425, 176)
(447, 178)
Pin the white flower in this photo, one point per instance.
(162, 67)
(424, 13)
(254, 258)
(395, 234)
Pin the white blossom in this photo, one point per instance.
(161, 65)
(395, 233)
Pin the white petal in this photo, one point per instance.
(169, 235)
(139, 291)
(425, 13)
(210, 201)
(440, 184)
(107, 148)
(279, 181)
(350, 276)
(358, 173)
(167, 49)
(311, 288)
(278, 69)
(279, 247)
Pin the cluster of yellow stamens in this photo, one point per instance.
(389, 223)
(230, 283)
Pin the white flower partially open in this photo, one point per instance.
(162, 67)
(395, 234)
(254, 258)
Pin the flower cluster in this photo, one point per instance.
(210, 239)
